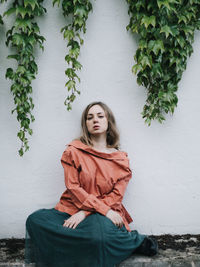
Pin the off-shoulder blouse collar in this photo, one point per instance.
(80, 145)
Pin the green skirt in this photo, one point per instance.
(95, 242)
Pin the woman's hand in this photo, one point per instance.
(115, 217)
(75, 219)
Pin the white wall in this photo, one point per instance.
(163, 196)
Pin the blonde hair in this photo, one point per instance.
(112, 138)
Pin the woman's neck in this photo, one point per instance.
(99, 142)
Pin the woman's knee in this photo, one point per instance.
(31, 218)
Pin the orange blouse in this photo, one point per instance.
(95, 181)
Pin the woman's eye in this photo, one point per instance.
(89, 118)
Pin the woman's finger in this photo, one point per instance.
(71, 224)
(118, 221)
(67, 223)
(74, 226)
(115, 221)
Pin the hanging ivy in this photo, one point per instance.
(166, 30)
(166, 33)
(77, 12)
(23, 37)
(1, 19)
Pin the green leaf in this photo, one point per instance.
(157, 70)
(33, 66)
(197, 25)
(148, 121)
(32, 118)
(69, 34)
(56, 1)
(77, 65)
(21, 135)
(9, 11)
(79, 22)
(165, 3)
(188, 29)
(18, 39)
(35, 28)
(181, 41)
(161, 118)
(32, 3)
(80, 39)
(21, 69)
(31, 40)
(145, 61)
(1, 21)
(21, 152)
(167, 30)
(16, 57)
(10, 73)
(22, 11)
(74, 52)
(136, 68)
(72, 97)
(182, 18)
(156, 46)
(30, 131)
(68, 59)
(143, 44)
(74, 44)
(23, 24)
(80, 11)
(70, 84)
(175, 30)
(148, 20)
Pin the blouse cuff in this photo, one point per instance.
(87, 213)
(103, 210)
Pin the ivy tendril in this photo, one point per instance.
(166, 30)
(23, 37)
(1, 19)
(78, 11)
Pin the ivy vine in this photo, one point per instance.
(166, 33)
(23, 37)
(166, 30)
(1, 19)
(77, 11)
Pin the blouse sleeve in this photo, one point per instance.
(115, 197)
(81, 199)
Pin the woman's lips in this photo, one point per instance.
(96, 127)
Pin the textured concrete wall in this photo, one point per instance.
(163, 196)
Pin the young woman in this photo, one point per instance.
(89, 225)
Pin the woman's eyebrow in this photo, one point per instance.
(97, 113)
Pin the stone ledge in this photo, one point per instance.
(174, 251)
(165, 258)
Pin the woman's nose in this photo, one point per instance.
(95, 119)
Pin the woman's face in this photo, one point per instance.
(96, 120)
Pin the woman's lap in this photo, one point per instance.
(96, 240)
